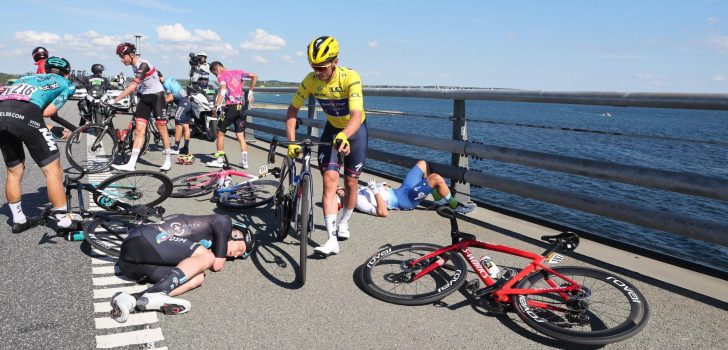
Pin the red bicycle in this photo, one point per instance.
(574, 304)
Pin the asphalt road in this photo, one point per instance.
(49, 291)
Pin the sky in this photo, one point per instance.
(628, 46)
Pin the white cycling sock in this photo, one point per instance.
(346, 214)
(64, 219)
(330, 221)
(167, 153)
(245, 156)
(18, 215)
(134, 156)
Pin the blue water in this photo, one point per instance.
(668, 139)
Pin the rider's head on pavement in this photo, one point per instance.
(236, 242)
(216, 67)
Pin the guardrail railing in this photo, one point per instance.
(460, 148)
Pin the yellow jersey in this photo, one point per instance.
(337, 97)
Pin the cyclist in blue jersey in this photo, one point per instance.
(377, 199)
(23, 106)
(173, 255)
(178, 95)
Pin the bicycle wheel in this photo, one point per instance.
(304, 236)
(134, 188)
(608, 309)
(193, 184)
(283, 202)
(250, 195)
(107, 233)
(91, 147)
(387, 275)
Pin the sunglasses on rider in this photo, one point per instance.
(321, 68)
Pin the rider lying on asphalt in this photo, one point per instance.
(173, 255)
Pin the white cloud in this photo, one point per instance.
(718, 44)
(373, 44)
(259, 59)
(174, 32)
(260, 40)
(711, 20)
(288, 59)
(35, 38)
(718, 77)
(206, 35)
(300, 53)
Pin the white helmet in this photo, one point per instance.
(202, 53)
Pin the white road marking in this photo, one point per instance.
(129, 338)
(134, 319)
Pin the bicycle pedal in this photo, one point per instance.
(472, 286)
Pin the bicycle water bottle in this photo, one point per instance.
(489, 266)
(76, 236)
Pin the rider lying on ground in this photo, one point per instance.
(377, 199)
(173, 255)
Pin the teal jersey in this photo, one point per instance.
(41, 90)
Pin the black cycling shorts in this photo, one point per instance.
(150, 104)
(142, 260)
(233, 116)
(22, 123)
(354, 162)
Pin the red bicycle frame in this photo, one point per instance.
(502, 294)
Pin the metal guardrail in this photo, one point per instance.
(458, 172)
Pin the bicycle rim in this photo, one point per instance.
(387, 275)
(91, 148)
(134, 188)
(305, 232)
(193, 184)
(251, 195)
(107, 233)
(608, 310)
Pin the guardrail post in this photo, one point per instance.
(312, 115)
(459, 133)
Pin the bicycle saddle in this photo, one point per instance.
(567, 241)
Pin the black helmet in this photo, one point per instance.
(58, 65)
(40, 53)
(97, 68)
(125, 48)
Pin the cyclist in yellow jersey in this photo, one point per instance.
(338, 91)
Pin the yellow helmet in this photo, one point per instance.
(322, 50)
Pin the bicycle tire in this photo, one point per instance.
(305, 228)
(623, 297)
(139, 187)
(282, 201)
(98, 148)
(252, 195)
(193, 184)
(384, 277)
(108, 232)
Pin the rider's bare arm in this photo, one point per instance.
(291, 115)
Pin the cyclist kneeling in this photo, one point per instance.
(376, 199)
(174, 255)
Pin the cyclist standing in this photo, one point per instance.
(23, 106)
(178, 95)
(151, 102)
(173, 255)
(40, 54)
(236, 102)
(338, 91)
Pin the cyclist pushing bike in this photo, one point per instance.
(23, 107)
(151, 102)
(173, 255)
(339, 93)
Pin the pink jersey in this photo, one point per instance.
(233, 80)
